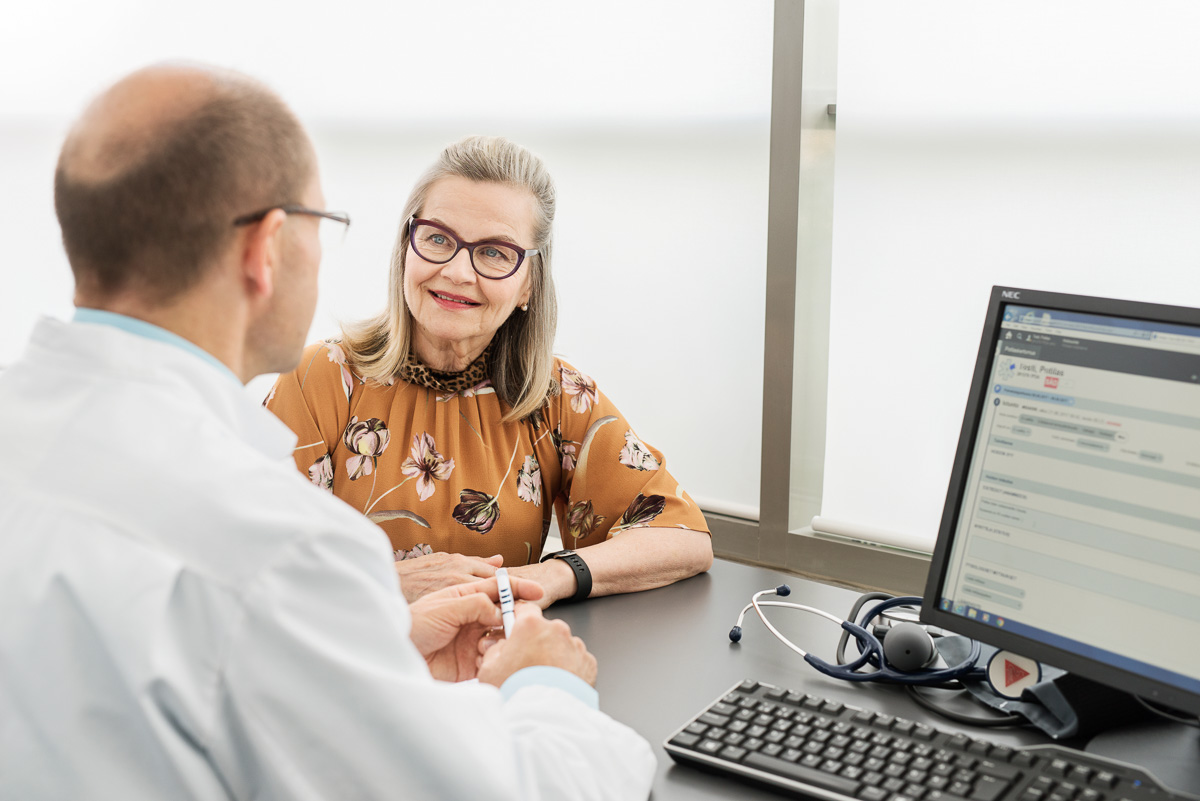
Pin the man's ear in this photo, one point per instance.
(261, 255)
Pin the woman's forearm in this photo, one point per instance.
(637, 559)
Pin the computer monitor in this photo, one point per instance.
(1071, 531)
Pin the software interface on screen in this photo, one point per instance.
(1080, 517)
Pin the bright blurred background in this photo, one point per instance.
(653, 118)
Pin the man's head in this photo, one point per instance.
(151, 178)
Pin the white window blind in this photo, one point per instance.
(1050, 145)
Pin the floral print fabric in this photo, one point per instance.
(467, 482)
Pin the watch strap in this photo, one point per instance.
(583, 576)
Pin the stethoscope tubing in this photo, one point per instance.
(869, 647)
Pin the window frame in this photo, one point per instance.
(796, 337)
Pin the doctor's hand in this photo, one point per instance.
(426, 574)
(447, 625)
(535, 641)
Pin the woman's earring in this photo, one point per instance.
(525, 307)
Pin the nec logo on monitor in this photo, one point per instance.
(1011, 294)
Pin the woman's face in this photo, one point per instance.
(455, 310)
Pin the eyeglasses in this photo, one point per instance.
(491, 258)
(288, 208)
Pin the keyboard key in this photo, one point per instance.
(710, 746)
(923, 732)
(1001, 753)
(938, 795)
(988, 788)
(684, 739)
(873, 794)
(838, 784)
(732, 752)
(1006, 772)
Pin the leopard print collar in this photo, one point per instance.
(415, 372)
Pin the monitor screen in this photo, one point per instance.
(1071, 532)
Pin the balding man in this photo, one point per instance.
(182, 615)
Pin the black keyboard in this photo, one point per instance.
(829, 750)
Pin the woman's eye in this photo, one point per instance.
(438, 239)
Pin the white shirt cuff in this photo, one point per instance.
(546, 676)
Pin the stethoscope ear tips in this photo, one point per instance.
(783, 590)
(735, 634)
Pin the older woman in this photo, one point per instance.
(449, 422)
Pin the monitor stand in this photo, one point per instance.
(1169, 751)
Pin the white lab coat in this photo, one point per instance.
(183, 615)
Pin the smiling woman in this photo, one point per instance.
(460, 365)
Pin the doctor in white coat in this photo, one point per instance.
(182, 615)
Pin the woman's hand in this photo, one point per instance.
(535, 641)
(447, 625)
(426, 574)
(556, 577)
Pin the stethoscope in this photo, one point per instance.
(869, 646)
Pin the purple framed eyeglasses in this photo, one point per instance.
(491, 258)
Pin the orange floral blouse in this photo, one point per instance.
(439, 471)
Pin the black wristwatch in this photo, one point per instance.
(583, 576)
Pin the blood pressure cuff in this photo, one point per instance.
(1061, 705)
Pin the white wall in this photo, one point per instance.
(1046, 144)
(653, 121)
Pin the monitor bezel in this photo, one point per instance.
(1150, 689)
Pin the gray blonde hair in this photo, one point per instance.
(521, 359)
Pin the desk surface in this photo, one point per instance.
(665, 653)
